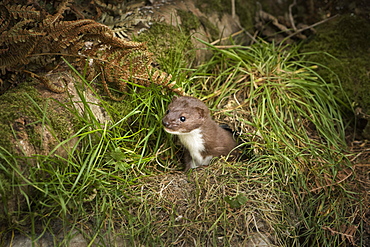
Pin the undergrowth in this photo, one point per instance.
(119, 184)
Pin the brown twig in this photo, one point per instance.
(308, 27)
(232, 35)
(291, 15)
(233, 9)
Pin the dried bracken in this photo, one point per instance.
(32, 40)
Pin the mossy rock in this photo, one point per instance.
(31, 125)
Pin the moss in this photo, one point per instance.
(210, 27)
(15, 104)
(26, 103)
(219, 6)
(171, 46)
(188, 20)
(63, 122)
(246, 10)
(347, 39)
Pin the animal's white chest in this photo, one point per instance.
(194, 142)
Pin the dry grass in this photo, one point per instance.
(214, 206)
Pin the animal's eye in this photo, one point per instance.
(182, 119)
(168, 111)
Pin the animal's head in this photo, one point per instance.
(184, 114)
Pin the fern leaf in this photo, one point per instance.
(4, 19)
(24, 12)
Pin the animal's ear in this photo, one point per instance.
(175, 97)
(200, 112)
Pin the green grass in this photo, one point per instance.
(116, 181)
(295, 126)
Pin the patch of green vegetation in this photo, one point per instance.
(14, 104)
(296, 131)
(218, 6)
(102, 162)
(120, 177)
(26, 117)
(346, 38)
(24, 103)
(63, 123)
(246, 11)
(174, 51)
(188, 20)
(210, 27)
(172, 48)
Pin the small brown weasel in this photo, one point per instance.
(203, 138)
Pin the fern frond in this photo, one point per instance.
(24, 12)
(4, 18)
(18, 34)
(110, 7)
(17, 53)
(63, 6)
(33, 39)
